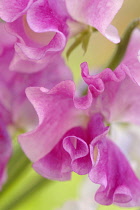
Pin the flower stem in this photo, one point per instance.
(16, 167)
(122, 46)
(29, 191)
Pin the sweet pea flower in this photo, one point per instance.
(129, 134)
(5, 152)
(42, 27)
(73, 134)
(13, 101)
(79, 143)
(39, 26)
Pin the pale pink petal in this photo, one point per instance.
(11, 10)
(96, 13)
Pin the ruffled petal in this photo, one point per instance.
(98, 14)
(111, 96)
(119, 185)
(57, 111)
(66, 156)
(36, 45)
(78, 145)
(75, 143)
(11, 10)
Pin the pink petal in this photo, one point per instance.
(75, 146)
(56, 112)
(23, 112)
(14, 105)
(13, 9)
(75, 143)
(36, 45)
(111, 95)
(55, 165)
(119, 185)
(96, 13)
(41, 18)
(7, 41)
(130, 59)
(59, 7)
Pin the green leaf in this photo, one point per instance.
(82, 39)
(85, 41)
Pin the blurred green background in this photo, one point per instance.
(53, 194)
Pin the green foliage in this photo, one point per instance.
(83, 39)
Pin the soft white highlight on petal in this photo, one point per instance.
(139, 55)
(85, 201)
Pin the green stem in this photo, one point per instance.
(18, 198)
(17, 156)
(122, 46)
(16, 167)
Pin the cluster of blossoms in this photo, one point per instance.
(74, 133)
(82, 142)
(42, 27)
